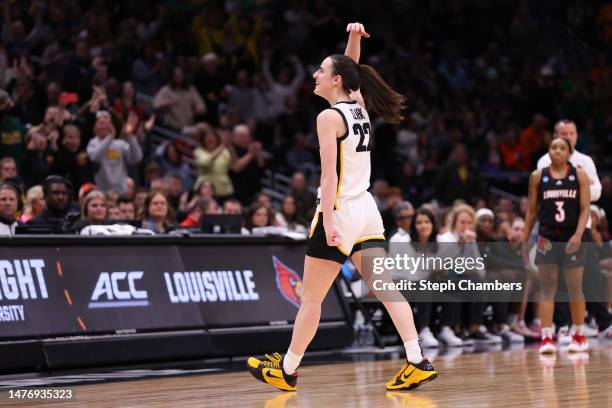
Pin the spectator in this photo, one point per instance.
(113, 211)
(393, 198)
(404, 214)
(514, 155)
(380, 189)
(179, 102)
(248, 169)
(285, 85)
(111, 156)
(214, 160)
(57, 192)
(127, 209)
(128, 103)
(264, 199)
(34, 205)
(39, 157)
(12, 142)
(29, 102)
(299, 155)
(158, 215)
(210, 83)
(148, 70)
(536, 137)
(232, 207)
(140, 196)
(423, 234)
(9, 202)
(463, 223)
(174, 189)
(171, 161)
(304, 198)
(241, 96)
(458, 179)
(200, 207)
(288, 217)
(8, 168)
(94, 210)
(84, 190)
(258, 216)
(71, 159)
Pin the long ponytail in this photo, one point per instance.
(379, 96)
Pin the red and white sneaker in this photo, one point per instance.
(548, 345)
(578, 344)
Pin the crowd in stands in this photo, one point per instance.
(86, 86)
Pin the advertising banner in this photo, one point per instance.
(85, 289)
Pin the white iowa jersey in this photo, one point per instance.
(353, 154)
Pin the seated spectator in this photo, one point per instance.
(8, 168)
(174, 189)
(158, 215)
(200, 207)
(111, 156)
(404, 214)
(9, 202)
(34, 205)
(263, 199)
(114, 213)
(179, 101)
(140, 196)
(127, 209)
(57, 191)
(94, 210)
(214, 160)
(258, 216)
(232, 207)
(84, 190)
(288, 217)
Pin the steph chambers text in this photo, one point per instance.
(445, 286)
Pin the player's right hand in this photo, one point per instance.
(331, 235)
(357, 28)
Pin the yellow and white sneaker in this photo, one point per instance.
(412, 375)
(271, 372)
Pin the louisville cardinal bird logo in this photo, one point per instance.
(288, 282)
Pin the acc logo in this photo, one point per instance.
(544, 179)
(288, 282)
(571, 177)
(544, 245)
(118, 289)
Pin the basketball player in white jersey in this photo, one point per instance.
(346, 215)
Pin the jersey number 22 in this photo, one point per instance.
(363, 131)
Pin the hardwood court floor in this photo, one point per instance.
(494, 379)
